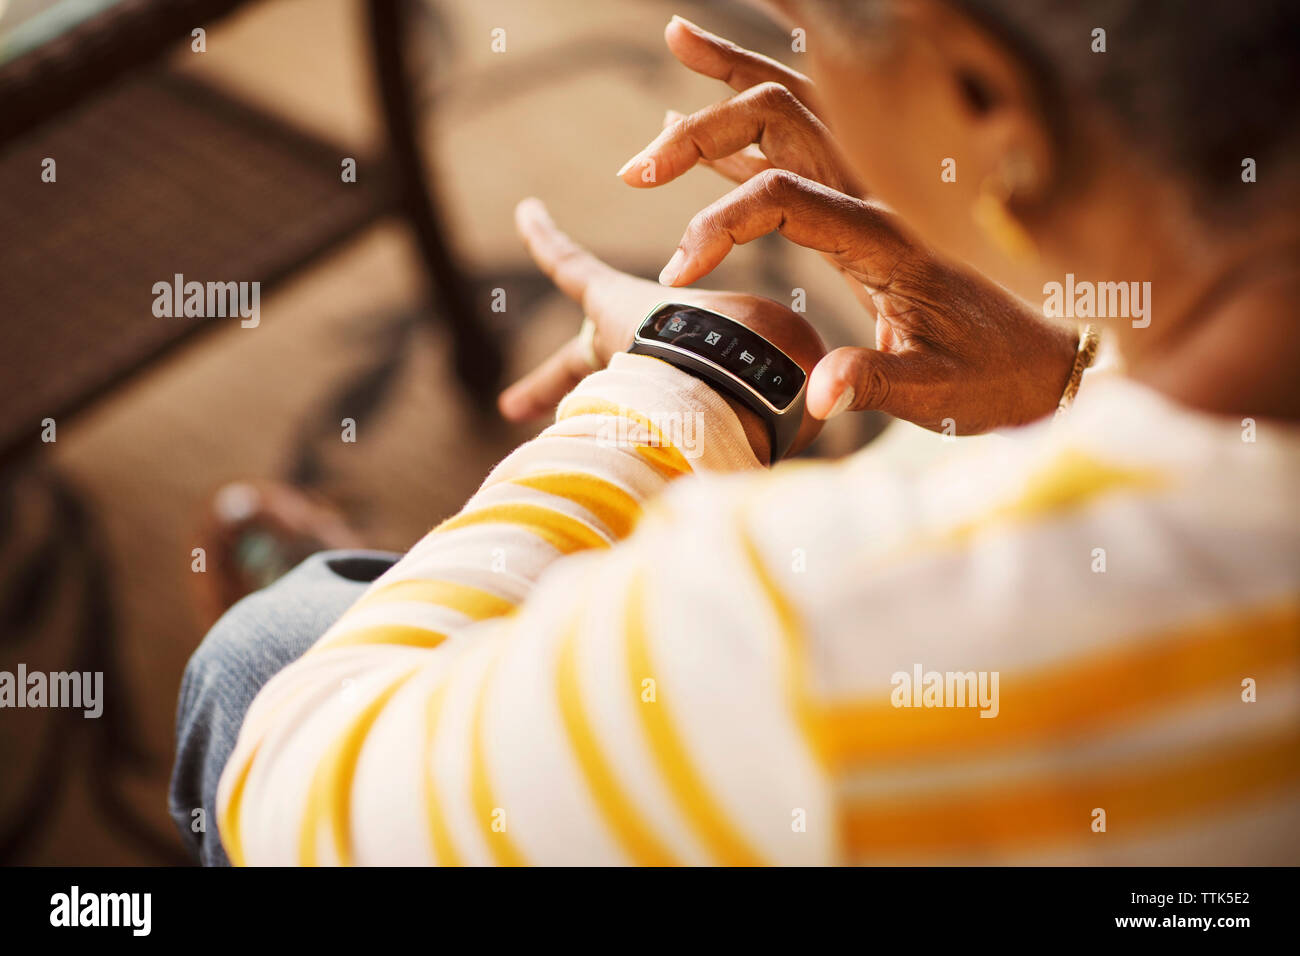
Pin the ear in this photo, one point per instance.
(997, 95)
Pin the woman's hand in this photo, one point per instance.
(771, 123)
(617, 303)
(954, 351)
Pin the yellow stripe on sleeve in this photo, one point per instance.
(630, 830)
(808, 716)
(701, 811)
(228, 822)
(500, 843)
(329, 798)
(1069, 482)
(406, 635)
(444, 850)
(566, 534)
(475, 603)
(1115, 688)
(658, 450)
(668, 462)
(1050, 812)
(611, 505)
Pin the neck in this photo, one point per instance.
(1230, 346)
(1224, 332)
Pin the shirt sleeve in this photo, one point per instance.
(595, 663)
(523, 688)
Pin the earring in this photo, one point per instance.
(991, 214)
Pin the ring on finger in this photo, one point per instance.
(587, 344)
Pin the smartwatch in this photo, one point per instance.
(733, 359)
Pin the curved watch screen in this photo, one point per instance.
(743, 353)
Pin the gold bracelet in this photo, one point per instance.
(1083, 359)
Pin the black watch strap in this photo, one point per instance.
(734, 359)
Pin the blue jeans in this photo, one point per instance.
(253, 641)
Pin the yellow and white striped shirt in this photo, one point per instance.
(538, 682)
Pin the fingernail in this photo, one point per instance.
(673, 269)
(628, 165)
(671, 116)
(686, 23)
(841, 404)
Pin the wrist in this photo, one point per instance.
(711, 431)
(752, 373)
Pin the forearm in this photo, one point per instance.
(620, 439)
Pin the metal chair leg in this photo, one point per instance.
(476, 354)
